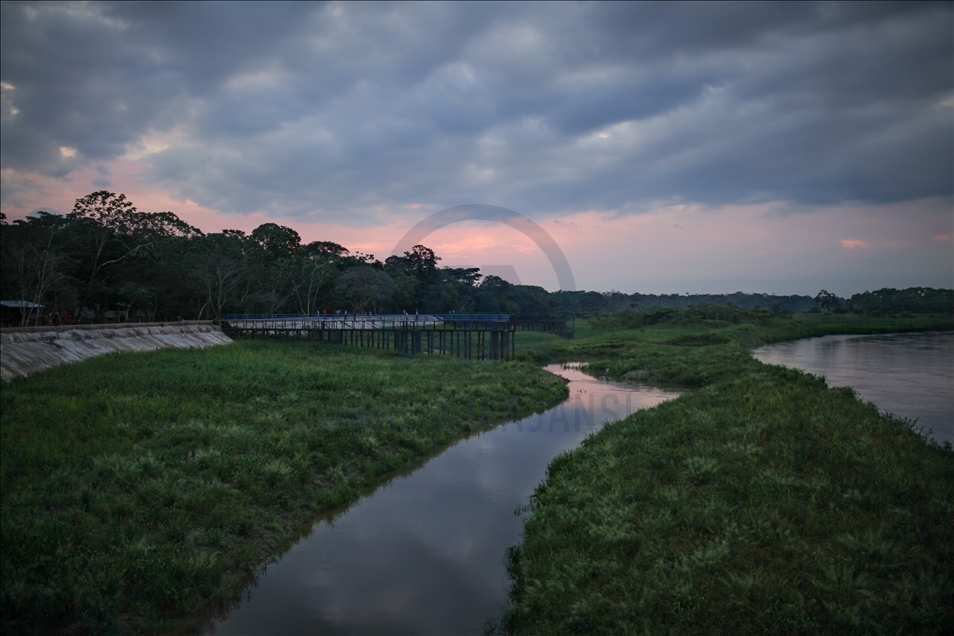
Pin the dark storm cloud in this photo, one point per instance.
(319, 109)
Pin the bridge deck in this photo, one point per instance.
(498, 322)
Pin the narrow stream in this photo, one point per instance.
(424, 554)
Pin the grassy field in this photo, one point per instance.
(761, 502)
(137, 488)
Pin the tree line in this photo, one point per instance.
(107, 261)
(888, 301)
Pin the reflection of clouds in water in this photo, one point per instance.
(425, 554)
(490, 478)
(911, 375)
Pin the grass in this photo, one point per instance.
(694, 348)
(138, 488)
(761, 502)
(531, 344)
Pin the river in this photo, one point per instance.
(424, 554)
(911, 375)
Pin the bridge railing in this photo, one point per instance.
(472, 336)
(372, 317)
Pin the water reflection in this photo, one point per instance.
(911, 375)
(424, 554)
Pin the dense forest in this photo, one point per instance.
(106, 261)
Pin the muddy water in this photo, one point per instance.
(424, 554)
(911, 375)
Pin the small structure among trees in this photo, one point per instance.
(19, 312)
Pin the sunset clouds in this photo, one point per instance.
(801, 137)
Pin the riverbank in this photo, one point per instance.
(27, 350)
(138, 488)
(761, 502)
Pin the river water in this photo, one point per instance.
(911, 375)
(424, 554)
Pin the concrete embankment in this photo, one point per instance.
(30, 349)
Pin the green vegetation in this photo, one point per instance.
(696, 346)
(139, 487)
(898, 301)
(761, 502)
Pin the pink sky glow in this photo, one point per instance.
(671, 249)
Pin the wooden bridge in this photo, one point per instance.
(471, 336)
(563, 325)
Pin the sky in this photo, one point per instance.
(666, 148)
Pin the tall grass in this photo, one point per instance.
(139, 487)
(762, 502)
(697, 346)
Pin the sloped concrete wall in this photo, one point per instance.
(31, 349)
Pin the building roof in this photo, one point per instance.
(19, 304)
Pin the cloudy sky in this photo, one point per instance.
(666, 148)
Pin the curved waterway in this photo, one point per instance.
(424, 554)
(910, 374)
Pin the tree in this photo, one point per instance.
(107, 216)
(107, 230)
(914, 299)
(414, 274)
(221, 271)
(156, 276)
(276, 241)
(315, 267)
(421, 262)
(365, 288)
(34, 261)
(827, 302)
